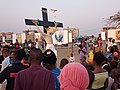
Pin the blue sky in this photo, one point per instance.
(87, 15)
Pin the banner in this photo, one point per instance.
(103, 35)
(14, 38)
(61, 37)
(23, 37)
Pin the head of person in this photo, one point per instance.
(105, 61)
(5, 52)
(98, 59)
(63, 62)
(109, 58)
(13, 56)
(115, 47)
(114, 58)
(83, 59)
(116, 54)
(113, 64)
(111, 49)
(49, 59)
(74, 76)
(71, 54)
(48, 31)
(35, 56)
(115, 73)
(110, 39)
(21, 54)
(36, 40)
(92, 36)
(16, 40)
(113, 40)
(80, 46)
(25, 40)
(99, 35)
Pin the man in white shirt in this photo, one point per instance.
(6, 61)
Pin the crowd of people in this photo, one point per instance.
(101, 59)
(26, 67)
(37, 70)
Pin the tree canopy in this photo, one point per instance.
(115, 19)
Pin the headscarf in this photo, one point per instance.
(74, 76)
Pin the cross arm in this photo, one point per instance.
(29, 22)
(58, 24)
(42, 34)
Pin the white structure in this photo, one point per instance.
(103, 35)
(113, 33)
(14, 37)
(3, 39)
(62, 37)
(23, 37)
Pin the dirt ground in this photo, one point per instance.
(64, 52)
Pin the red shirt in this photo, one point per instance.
(34, 78)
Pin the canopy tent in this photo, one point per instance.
(78, 37)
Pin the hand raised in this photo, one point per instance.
(34, 22)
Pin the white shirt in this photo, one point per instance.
(37, 45)
(72, 59)
(5, 63)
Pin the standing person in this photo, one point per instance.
(90, 56)
(43, 44)
(17, 44)
(82, 52)
(83, 62)
(115, 74)
(47, 37)
(109, 44)
(113, 42)
(26, 46)
(10, 72)
(35, 77)
(37, 44)
(72, 58)
(101, 75)
(30, 43)
(5, 63)
(49, 62)
(6, 55)
(99, 44)
(74, 76)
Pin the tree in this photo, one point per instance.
(115, 19)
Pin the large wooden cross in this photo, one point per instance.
(45, 23)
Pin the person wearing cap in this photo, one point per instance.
(35, 77)
(49, 62)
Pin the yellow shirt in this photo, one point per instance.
(91, 55)
(100, 79)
